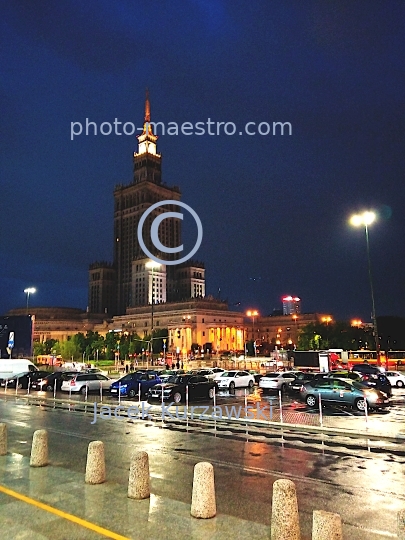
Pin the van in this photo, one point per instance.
(12, 366)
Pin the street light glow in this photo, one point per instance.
(252, 313)
(366, 218)
(30, 290)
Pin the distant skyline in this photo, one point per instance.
(274, 209)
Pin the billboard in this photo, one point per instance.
(16, 336)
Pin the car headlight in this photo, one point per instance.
(124, 385)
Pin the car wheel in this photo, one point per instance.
(49, 388)
(251, 384)
(310, 401)
(132, 393)
(360, 404)
(283, 388)
(399, 384)
(211, 393)
(177, 397)
(231, 386)
(83, 390)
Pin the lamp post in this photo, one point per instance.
(152, 265)
(28, 291)
(366, 219)
(253, 314)
(327, 319)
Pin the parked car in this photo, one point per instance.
(344, 393)
(277, 380)
(364, 369)
(294, 386)
(129, 384)
(235, 379)
(48, 381)
(21, 379)
(85, 383)
(378, 381)
(199, 387)
(217, 372)
(256, 375)
(204, 372)
(343, 374)
(396, 378)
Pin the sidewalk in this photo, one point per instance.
(105, 505)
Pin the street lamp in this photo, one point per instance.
(152, 265)
(366, 219)
(253, 314)
(327, 319)
(28, 291)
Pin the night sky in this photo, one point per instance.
(274, 208)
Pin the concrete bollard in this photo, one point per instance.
(326, 526)
(285, 524)
(203, 503)
(401, 525)
(3, 439)
(39, 449)
(139, 478)
(95, 465)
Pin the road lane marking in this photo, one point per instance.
(74, 519)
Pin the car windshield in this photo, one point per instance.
(20, 375)
(131, 376)
(359, 385)
(228, 374)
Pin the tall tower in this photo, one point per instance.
(130, 203)
(291, 305)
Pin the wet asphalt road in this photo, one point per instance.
(363, 481)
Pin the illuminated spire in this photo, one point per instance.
(147, 128)
(147, 140)
(147, 106)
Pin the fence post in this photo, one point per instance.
(326, 526)
(281, 406)
(3, 439)
(401, 525)
(284, 517)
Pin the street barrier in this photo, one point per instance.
(401, 525)
(139, 477)
(3, 439)
(203, 503)
(285, 524)
(95, 466)
(39, 449)
(326, 526)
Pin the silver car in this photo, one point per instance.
(86, 382)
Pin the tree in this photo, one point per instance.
(336, 335)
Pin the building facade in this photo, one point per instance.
(291, 305)
(131, 201)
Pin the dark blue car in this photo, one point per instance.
(129, 384)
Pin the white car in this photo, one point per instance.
(86, 382)
(396, 378)
(235, 379)
(277, 381)
(217, 372)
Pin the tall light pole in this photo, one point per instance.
(28, 291)
(253, 314)
(327, 319)
(152, 265)
(366, 219)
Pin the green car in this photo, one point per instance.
(343, 392)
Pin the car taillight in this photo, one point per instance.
(73, 382)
